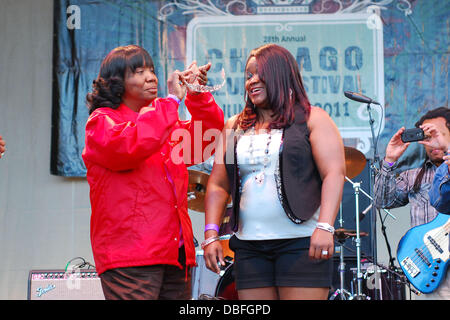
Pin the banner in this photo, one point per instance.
(335, 53)
(393, 51)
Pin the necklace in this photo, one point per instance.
(259, 178)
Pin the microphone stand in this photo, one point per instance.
(357, 189)
(372, 170)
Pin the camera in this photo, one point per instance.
(411, 135)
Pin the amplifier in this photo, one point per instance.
(82, 284)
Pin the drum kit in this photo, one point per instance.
(206, 285)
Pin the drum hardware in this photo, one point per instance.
(205, 296)
(357, 189)
(389, 281)
(343, 294)
(359, 295)
(355, 162)
(382, 283)
(196, 192)
(208, 285)
(341, 236)
(226, 288)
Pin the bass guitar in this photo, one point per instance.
(423, 253)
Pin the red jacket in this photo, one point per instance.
(138, 189)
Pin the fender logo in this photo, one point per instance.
(41, 291)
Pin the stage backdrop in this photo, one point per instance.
(394, 51)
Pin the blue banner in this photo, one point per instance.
(394, 51)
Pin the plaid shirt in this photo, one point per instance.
(392, 191)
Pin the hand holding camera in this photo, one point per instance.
(396, 147)
(434, 138)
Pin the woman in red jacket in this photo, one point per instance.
(141, 233)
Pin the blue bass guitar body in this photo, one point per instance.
(423, 253)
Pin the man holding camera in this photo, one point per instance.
(412, 185)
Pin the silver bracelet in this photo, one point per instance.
(209, 241)
(325, 226)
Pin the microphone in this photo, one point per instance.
(359, 97)
(362, 214)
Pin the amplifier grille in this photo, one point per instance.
(60, 285)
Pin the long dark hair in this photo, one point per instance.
(279, 71)
(108, 88)
(441, 112)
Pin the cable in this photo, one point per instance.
(83, 264)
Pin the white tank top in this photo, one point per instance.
(261, 216)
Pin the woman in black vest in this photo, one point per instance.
(282, 162)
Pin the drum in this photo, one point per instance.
(226, 288)
(204, 281)
(390, 286)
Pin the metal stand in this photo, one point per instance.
(359, 275)
(343, 294)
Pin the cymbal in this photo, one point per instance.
(342, 234)
(197, 190)
(355, 162)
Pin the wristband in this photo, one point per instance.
(174, 97)
(325, 226)
(212, 226)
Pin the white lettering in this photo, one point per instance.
(74, 20)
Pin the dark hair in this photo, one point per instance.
(441, 112)
(279, 71)
(108, 88)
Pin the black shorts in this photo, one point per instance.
(278, 263)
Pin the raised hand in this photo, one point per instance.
(396, 147)
(176, 84)
(434, 138)
(195, 76)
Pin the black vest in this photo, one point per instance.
(298, 181)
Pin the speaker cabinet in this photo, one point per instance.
(60, 285)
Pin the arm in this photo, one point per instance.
(440, 189)
(122, 145)
(217, 195)
(200, 134)
(2, 146)
(205, 126)
(328, 153)
(389, 191)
